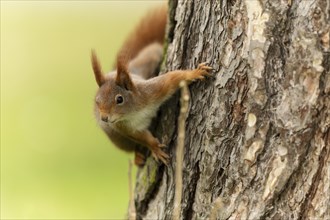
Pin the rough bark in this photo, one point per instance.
(258, 133)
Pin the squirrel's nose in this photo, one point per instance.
(104, 118)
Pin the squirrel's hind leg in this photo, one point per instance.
(139, 159)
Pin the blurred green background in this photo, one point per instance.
(55, 161)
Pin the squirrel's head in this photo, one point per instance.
(115, 97)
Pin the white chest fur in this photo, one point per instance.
(141, 120)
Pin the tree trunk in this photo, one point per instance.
(258, 132)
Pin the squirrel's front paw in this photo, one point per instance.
(201, 71)
(159, 154)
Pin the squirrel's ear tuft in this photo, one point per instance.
(99, 77)
(123, 78)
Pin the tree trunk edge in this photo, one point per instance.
(266, 170)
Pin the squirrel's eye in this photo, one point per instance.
(119, 99)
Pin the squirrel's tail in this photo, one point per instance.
(150, 29)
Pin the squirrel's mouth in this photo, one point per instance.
(109, 120)
(113, 121)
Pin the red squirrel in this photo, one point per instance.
(129, 96)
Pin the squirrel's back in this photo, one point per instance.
(149, 30)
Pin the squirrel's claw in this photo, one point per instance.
(204, 66)
(201, 72)
(158, 154)
(206, 71)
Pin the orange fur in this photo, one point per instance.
(97, 69)
(149, 30)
